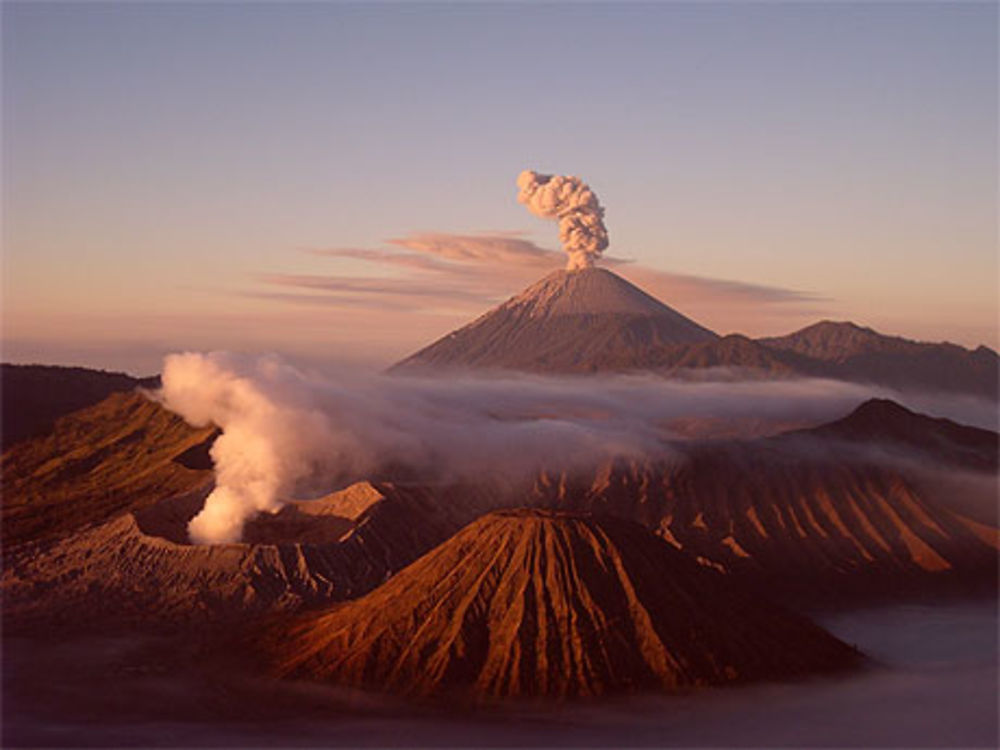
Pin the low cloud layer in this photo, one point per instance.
(287, 433)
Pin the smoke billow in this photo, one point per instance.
(289, 434)
(571, 201)
(272, 435)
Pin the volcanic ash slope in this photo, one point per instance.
(569, 322)
(531, 603)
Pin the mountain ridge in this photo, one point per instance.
(33, 397)
(121, 453)
(848, 351)
(841, 509)
(885, 422)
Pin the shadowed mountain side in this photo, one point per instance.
(888, 424)
(139, 568)
(33, 397)
(122, 453)
(805, 521)
(881, 495)
(851, 352)
(569, 322)
(736, 353)
(529, 603)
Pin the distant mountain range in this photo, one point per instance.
(592, 320)
(847, 351)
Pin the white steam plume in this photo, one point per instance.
(581, 217)
(271, 436)
(288, 434)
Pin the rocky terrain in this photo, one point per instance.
(32, 397)
(529, 603)
(96, 514)
(139, 567)
(653, 574)
(836, 509)
(124, 452)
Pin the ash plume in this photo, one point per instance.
(571, 201)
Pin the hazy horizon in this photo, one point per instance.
(336, 182)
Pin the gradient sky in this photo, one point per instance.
(169, 171)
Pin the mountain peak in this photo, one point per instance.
(584, 320)
(542, 603)
(847, 351)
(881, 408)
(839, 325)
(831, 340)
(883, 421)
(586, 291)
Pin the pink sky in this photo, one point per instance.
(338, 186)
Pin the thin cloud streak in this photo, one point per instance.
(388, 258)
(374, 286)
(471, 271)
(481, 248)
(734, 290)
(332, 301)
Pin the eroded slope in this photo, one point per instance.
(533, 603)
(125, 452)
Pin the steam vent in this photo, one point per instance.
(531, 603)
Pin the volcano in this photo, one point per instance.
(529, 603)
(571, 322)
(592, 320)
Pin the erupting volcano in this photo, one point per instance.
(578, 321)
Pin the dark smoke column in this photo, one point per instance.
(570, 200)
